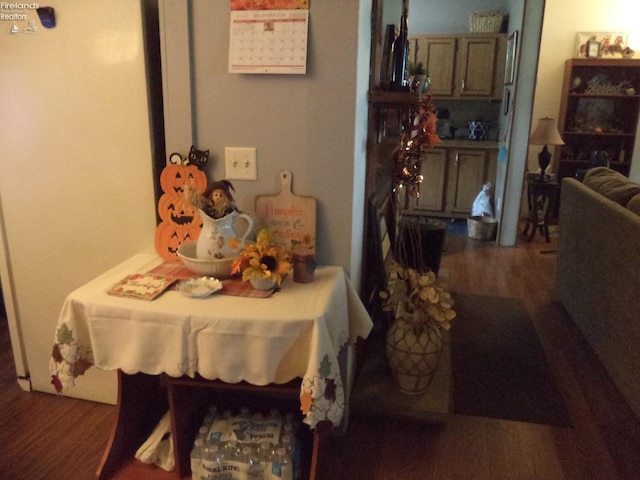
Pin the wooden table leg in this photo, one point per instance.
(141, 404)
(320, 436)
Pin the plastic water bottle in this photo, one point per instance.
(265, 452)
(197, 453)
(208, 419)
(286, 469)
(255, 470)
(287, 429)
(203, 433)
(290, 423)
(211, 415)
(274, 414)
(257, 417)
(230, 451)
(265, 455)
(211, 461)
(287, 444)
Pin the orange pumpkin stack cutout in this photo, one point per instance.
(180, 221)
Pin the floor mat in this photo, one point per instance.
(499, 367)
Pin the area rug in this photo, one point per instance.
(499, 367)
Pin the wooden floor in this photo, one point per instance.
(47, 437)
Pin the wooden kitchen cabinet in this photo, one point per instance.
(468, 171)
(452, 179)
(434, 173)
(438, 55)
(462, 66)
(480, 66)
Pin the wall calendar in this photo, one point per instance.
(268, 41)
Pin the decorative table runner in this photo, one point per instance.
(230, 286)
(297, 332)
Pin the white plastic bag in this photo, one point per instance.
(158, 448)
(483, 204)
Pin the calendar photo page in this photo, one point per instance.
(268, 41)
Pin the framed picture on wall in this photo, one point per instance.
(510, 63)
(611, 44)
(593, 49)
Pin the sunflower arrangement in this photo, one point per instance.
(262, 259)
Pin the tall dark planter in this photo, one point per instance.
(419, 242)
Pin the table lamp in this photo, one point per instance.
(546, 133)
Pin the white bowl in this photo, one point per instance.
(262, 283)
(219, 268)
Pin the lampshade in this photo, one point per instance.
(546, 133)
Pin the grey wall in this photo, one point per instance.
(313, 124)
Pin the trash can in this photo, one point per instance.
(419, 242)
(482, 228)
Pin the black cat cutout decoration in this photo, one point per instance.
(196, 157)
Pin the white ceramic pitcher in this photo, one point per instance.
(218, 238)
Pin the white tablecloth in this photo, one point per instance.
(297, 332)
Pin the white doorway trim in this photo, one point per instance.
(6, 280)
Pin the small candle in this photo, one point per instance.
(304, 265)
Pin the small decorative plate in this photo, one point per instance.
(199, 287)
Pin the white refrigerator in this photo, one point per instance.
(76, 175)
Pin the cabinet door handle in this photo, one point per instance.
(456, 161)
(463, 85)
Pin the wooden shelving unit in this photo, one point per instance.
(143, 399)
(598, 112)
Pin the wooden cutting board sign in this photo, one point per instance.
(292, 218)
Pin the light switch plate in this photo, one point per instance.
(241, 163)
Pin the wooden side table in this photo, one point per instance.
(291, 350)
(541, 200)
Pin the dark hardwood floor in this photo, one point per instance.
(44, 436)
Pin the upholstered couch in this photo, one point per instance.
(598, 270)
